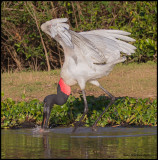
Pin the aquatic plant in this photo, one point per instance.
(125, 111)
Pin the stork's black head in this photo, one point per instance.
(49, 102)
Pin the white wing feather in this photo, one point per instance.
(61, 29)
(56, 27)
(107, 41)
(58, 20)
(88, 49)
(64, 35)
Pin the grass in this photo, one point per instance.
(132, 80)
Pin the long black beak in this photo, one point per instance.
(49, 101)
(46, 115)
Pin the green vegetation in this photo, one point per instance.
(125, 111)
(22, 40)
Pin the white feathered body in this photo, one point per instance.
(88, 55)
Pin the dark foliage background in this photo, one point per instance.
(25, 47)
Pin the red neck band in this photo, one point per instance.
(64, 87)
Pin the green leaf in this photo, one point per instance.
(132, 100)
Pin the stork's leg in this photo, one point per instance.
(111, 102)
(85, 111)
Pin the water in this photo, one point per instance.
(106, 143)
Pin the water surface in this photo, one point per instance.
(106, 143)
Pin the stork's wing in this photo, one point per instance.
(107, 42)
(56, 27)
(87, 48)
